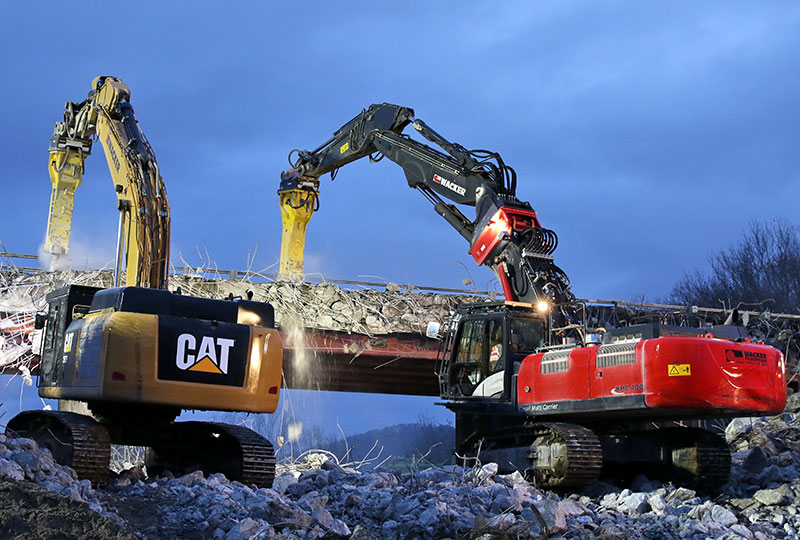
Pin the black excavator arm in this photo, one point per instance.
(505, 235)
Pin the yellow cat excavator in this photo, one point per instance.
(138, 355)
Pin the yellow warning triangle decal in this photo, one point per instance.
(207, 366)
(673, 370)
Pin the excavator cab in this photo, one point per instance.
(65, 305)
(486, 348)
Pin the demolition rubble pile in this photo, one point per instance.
(336, 501)
(324, 306)
(329, 307)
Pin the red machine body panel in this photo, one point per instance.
(556, 376)
(617, 370)
(703, 372)
(684, 374)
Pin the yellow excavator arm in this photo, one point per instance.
(144, 226)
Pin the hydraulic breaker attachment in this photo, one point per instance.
(299, 199)
(66, 173)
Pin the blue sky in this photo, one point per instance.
(646, 134)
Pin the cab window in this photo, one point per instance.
(496, 351)
(470, 345)
(51, 325)
(470, 357)
(527, 335)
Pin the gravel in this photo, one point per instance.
(324, 500)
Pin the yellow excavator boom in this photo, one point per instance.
(143, 236)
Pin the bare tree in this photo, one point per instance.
(762, 269)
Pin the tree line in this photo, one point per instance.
(760, 272)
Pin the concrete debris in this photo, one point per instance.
(324, 307)
(22, 460)
(367, 311)
(320, 498)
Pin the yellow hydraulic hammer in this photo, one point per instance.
(299, 199)
(66, 174)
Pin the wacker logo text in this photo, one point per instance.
(749, 357)
(452, 186)
(210, 357)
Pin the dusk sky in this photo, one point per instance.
(646, 134)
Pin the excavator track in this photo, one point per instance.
(697, 457)
(238, 452)
(558, 455)
(553, 454)
(564, 455)
(258, 455)
(75, 440)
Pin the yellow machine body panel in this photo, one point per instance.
(108, 356)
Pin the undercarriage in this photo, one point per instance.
(83, 443)
(566, 455)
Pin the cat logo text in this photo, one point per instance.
(211, 356)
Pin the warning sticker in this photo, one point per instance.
(344, 148)
(679, 370)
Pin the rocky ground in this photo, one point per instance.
(40, 499)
